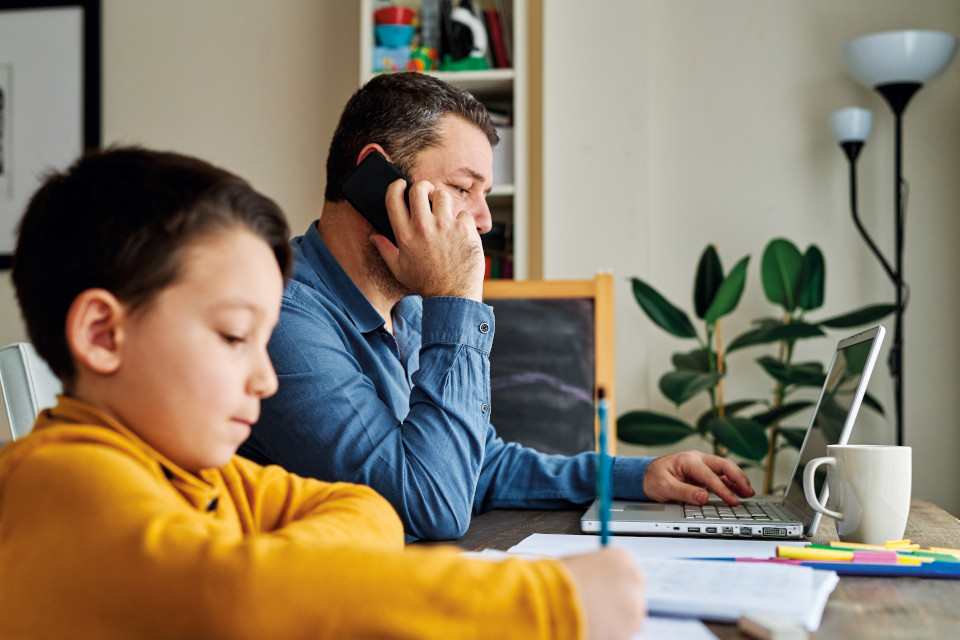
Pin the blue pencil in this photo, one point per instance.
(603, 466)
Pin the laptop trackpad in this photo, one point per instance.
(650, 511)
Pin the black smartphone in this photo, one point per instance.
(366, 190)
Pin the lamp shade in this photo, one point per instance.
(851, 124)
(898, 56)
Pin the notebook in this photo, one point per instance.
(790, 516)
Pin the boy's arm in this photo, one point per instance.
(118, 553)
(340, 415)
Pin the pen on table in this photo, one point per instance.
(603, 465)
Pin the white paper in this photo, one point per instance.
(666, 628)
(718, 590)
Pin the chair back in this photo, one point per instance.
(554, 346)
(28, 385)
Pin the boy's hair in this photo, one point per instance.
(401, 113)
(120, 220)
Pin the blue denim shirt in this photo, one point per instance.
(408, 413)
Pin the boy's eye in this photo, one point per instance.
(231, 339)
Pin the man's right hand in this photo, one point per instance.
(612, 591)
(438, 252)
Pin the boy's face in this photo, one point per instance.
(194, 363)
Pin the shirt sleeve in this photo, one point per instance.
(336, 414)
(518, 477)
(94, 540)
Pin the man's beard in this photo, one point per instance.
(380, 274)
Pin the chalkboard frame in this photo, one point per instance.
(600, 291)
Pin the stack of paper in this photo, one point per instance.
(709, 589)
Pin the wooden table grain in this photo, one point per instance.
(860, 607)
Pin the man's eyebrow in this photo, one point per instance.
(477, 176)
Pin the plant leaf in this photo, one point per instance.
(777, 414)
(709, 278)
(695, 360)
(651, 429)
(728, 295)
(680, 386)
(793, 435)
(873, 403)
(864, 315)
(778, 333)
(661, 312)
(729, 409)
(742, 436)
(813, 279)
(780, 270)
(802, 373)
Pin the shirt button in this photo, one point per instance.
(484, 327)
(484, 407)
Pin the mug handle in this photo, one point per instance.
(809, 491)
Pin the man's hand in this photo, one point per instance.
(687, 476)
(612, 591)
(438, 253)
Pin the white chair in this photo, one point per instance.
(28, 385)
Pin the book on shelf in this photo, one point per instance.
(498, 46)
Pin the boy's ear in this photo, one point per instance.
(95, 330)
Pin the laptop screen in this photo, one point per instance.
(842, 392)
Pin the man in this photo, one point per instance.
(382, 350)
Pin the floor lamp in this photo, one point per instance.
(896, 64)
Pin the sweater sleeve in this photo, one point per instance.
(96, 540)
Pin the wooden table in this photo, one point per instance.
(858, 608)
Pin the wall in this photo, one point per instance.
(696, 123)
(256, 87)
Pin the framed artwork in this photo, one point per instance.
(49, 98)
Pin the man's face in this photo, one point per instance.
(462, 166)
(194, 360)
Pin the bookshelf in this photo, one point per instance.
(502, 90)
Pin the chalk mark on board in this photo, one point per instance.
(518, 379)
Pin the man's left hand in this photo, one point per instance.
(687, 476)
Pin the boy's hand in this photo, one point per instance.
(687, 476)
(612, 591)
(438, 252)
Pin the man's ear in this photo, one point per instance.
(370, 148)
(95, 330)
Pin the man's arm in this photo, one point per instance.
(345, 409)
(517, 477)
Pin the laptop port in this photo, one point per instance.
(711, 529)
(746, 531)
(774, 532)
(693, 529)
(728, 531)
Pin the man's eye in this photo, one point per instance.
(461, 190)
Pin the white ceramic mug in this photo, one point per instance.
(869, 488)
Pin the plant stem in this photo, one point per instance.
(785, 355)
(719, 371)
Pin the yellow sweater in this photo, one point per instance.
(102, 537)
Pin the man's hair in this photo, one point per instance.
(401, 112)
(120, 220)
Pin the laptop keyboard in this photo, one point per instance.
(745, 511)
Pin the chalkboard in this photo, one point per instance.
(553, 347)
(542, 373)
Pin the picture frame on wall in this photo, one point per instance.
(49, 98)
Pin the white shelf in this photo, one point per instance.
(503, 87)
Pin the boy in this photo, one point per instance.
(151, 282)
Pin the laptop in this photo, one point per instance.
(790, 516)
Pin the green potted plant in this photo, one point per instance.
(750, 429)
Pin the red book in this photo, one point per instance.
(495, 30)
